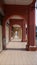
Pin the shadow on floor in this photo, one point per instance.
(19, 49)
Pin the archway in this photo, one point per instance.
(16, 33)
(18, 24)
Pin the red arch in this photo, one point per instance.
(8, 17)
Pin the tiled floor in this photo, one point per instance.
(12, 57)
(16, 45)
(18, 57)
(15, 39)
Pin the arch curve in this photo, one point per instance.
(13, 17)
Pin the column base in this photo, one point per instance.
(4, 44)
(32, 48)
(24, 40)
(27, 47)
(4, 47)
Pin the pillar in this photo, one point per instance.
(31, 30)
(24, 32)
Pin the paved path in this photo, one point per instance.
(9, 57)
(16, 45)
(18, 57)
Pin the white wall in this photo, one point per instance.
(35, 16)
(0, 38)
(7, 34)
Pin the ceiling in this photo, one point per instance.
(18, 2)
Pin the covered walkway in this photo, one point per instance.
(17, 23)
(17, 20)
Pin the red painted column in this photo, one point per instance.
(24, 32)
(31, 29)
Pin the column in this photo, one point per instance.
(23, 32)
(31, 30)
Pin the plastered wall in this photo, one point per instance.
(20, 33)
(7, 34)
(0, 38)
